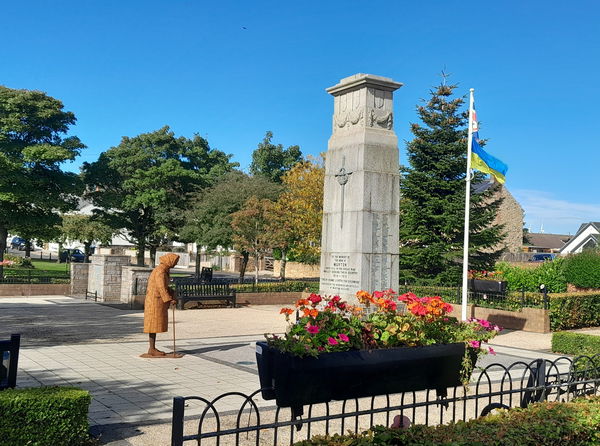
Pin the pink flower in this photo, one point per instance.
(312, 329)
(332, 341)
(343, 337)
(474, 344)
(491, 350)
(314, 298)
(319, 348)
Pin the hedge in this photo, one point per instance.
(276, 287)
(574, 310)
(577, 344)
(583, 269)
(44, 416)
(549, 273)
(543, 424)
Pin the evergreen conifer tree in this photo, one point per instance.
(433, 197)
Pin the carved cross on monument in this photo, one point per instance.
(342, 177)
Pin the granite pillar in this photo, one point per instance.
(361, 202)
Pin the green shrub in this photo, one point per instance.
(544, 424)
(583, 269)
(574, 310)
(550, 274)
(44, 416)
(277, 287)
(577, 344)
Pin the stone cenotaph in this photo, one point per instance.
(359, 248)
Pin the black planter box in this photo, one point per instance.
(487, 286)
(293, 381)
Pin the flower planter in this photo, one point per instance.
(294, 382)
(487, 286)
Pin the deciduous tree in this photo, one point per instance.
(273, 161)
(86, 230)
(208, 220)
(141, 183)
(250, 229)
(33, 147)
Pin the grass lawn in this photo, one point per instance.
(43, 265)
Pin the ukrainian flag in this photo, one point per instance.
(483, 161)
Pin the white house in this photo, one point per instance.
(588, 236)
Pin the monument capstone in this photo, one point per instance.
(359, 248)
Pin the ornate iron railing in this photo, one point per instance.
(253, 421)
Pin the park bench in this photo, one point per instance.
(9, 357)
(187, 291)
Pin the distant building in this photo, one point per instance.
(510, 214)
(587, 237)
(542, 242)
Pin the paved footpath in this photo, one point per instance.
(67, 341)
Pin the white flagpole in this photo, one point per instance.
(467, 209)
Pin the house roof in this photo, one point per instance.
(571, 247)
(550, 241)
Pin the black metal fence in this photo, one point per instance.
(257, 422)
(32, 277)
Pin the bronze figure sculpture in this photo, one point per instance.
(156, 305)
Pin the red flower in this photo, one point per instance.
(312, 329)
(332, 341)
(315, 299)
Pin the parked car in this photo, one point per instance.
(18, 243)
(72, 255)
(542, 257)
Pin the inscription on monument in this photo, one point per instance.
(339, 274)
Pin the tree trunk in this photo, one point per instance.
(141, 251)
(152, 256)
(256, 260)
(3, 236)
(28, 248)
(197, 271)
(282, 265)
(86, 251)
(243, 266)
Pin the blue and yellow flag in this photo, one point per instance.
(483, 161)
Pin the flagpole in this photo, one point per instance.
(467, 210)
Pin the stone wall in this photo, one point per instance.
(129, 275)
(79, 279)
(105, 276)
(535, 320)
(296, 270)
(36, 289)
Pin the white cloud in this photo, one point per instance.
(557, 216)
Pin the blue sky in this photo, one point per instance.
(232, 70)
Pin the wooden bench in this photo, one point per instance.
(186, 291)
(9, 357)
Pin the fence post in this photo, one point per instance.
(177, 421)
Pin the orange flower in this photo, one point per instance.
(286, 311)
(312, 312)
(301, 302)
(364, 297)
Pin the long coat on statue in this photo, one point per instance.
(159, 296)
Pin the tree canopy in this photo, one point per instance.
(273, 161)
(34, 190)
(433, 197)
(142, 185)
(297, 216)
(85, 229)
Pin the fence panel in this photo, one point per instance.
(258, 422)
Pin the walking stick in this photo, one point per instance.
(173, 308)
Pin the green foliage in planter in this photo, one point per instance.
(544, 424)
(551, 274)
(583, 269)
(44, 416)
(575, 343)
(574, 310)
(277, 287)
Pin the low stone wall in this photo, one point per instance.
(295, 270)
(36, 289)
(535, 320)
(129, 274)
